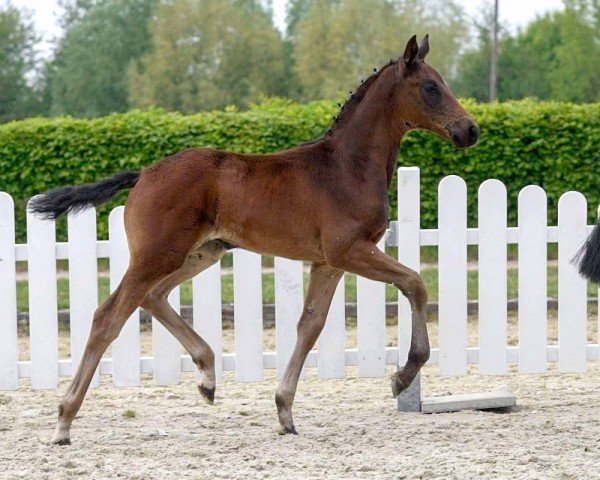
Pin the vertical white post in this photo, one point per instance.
(370, 313)
(332, 342)
(572, 288)
(409, 254)
(452, 225)
(533, 280)
(248, 321)
(289, 297)
(126, 348)
(9, 373)
(166, 349)
(83, 282)
(493, 313)
(409, 247)
(207, 312)
(43, 314)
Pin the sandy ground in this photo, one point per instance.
(348, 429)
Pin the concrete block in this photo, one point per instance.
(474, 401)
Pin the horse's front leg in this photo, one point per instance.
(321, 287)
(366, 260)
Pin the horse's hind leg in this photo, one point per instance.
(109, 318)
(156, 303)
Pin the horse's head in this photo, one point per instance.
(426, 102)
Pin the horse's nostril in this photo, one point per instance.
(473, 132)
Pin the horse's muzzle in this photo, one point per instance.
(464, 132)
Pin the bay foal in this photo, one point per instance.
(324, 202)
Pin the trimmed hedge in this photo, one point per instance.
(555, 145)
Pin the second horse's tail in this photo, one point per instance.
(588, 258)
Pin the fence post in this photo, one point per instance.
(83, 282)
(43, 310)
(289, 298)
(126, 348)
(409, 253)
(166, 349)
(247, 315)
(370, 325)
(533, 283)
(493, 314)
(207, 313)
(452, 254)
(572, 288)
(332, 342)
(9, 372)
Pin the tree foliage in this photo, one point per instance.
(89, 74)
(557, 56)
(339, 41)
(18, 98)
(208, 54)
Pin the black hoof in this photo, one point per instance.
(63, 441)
(397, 386)
(208, 394)
(288, 430)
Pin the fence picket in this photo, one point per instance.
(533, 283)
(452, 255)
(409, 247)
(166, 349)
(492, 278)
(248, 321)
(207, 313)
(43, 308)
(126, 348)
(332, 342)
(572, 288)
(9, 372)
(289, 298)
(370, 313)
(83, 282)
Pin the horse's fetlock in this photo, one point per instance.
(419, 354)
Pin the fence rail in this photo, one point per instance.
(493, 355)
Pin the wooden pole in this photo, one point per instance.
(494, 63)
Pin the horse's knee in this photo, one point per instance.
(151, 302)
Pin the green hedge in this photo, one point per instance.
(554, 145)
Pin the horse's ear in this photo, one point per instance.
(424, 48)
(411, 51)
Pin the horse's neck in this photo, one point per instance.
(372, 135)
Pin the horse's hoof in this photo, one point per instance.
(287, 430)
(397, 385)
(62, 441)
(208, 394)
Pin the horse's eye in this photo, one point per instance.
(430, 87)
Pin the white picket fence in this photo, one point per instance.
(249, 360)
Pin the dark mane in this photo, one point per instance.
(352, 102)
(348, 108)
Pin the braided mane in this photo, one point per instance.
(352, 102)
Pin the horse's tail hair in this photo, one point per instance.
(588, 257)
(59, 201)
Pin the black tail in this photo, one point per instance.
(588, 257)
(55, 203)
